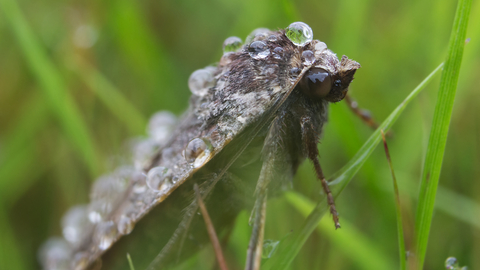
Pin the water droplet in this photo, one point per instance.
(200, 81)
(258, 50)
(159, 179)
(295, 71)
(98, 210)
(75, 223)
(140, 182)
(161, 125)
(197, 152)
(320, 47)
(143, 152)
(269, 248)
(278, 52)
(105, 234)
(272, 38)
(232, 44)
(451, 263)
(125, 224)
(55, 253)
(257, 34)
(80, 260)
(299, 33)
(308, 57)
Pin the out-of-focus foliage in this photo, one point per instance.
(120, 61)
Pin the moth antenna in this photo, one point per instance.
(310, 140)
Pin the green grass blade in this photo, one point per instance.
(52, 84)
(439, 132)
(111, 97)
(353, 243)
(290, 248)
(10, 253)
(130, 263)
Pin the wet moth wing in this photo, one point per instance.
(241, 96)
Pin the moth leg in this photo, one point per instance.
(310, 140)
(361, 113)
(211, 230)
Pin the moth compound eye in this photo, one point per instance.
(316, 83)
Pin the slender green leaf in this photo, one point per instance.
(439, 132)
(290, 248)
(53, 86)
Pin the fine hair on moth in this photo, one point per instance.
(254, 117)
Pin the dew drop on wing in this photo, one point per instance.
(80, 260)
(299, 33)
(125, 224)
(55, 254)
(198, 151)
(159, 179)
(105, 233)
(200, 81)
(161, 125)
(75, 224)
(143, 150)
(232, 44)
(308, 57)
(257, 34)
(278, 53)
(258, 50)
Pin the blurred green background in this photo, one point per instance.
(79, 78)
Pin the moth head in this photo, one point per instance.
(329, 78)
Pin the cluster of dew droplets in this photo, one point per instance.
(198, 151)
(299, 33)
(201, 81)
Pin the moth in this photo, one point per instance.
(253, 119)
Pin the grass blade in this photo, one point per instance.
(53, 86)
(291, 246)
(439, 132)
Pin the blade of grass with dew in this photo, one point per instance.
(291, 246)
(352, 242)
(398, 209)
(53, 86)
(439, 132)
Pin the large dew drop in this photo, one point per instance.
(201, 80)
(198, 152)
(299, 33)
(232, 44)
(258, 50)
(159, 179)
(161, 125)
